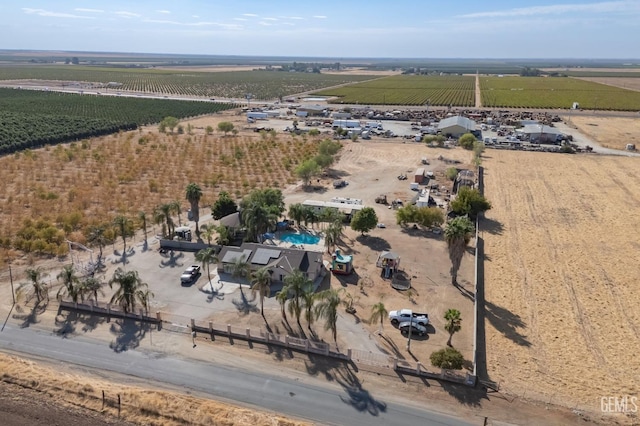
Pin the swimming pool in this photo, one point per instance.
(295, 238)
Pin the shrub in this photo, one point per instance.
(448, 358)
(466, 141)
(451, 173)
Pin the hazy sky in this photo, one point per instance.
(334, 28)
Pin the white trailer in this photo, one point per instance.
(345, 124)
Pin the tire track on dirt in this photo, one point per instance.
(582, 321)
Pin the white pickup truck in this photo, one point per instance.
(406, 315)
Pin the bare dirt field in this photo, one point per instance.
(593, 69)
(631, 83)
(561, 274)
(211, 68)
(610, 132)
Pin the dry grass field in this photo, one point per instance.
(562, 272)
(631, 83)
(139, 406)
(610, 132)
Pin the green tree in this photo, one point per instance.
(207, 256)
(208, 130)
(451, 173)
(177, 209)
(457, 234)
(466, 141)
(332, 235)
(406, 214)
(364, 220)
(296, 212)
(131, 292)
(447, 358)
(314, 132)
(329, 147)
(307, 170)
(258, 219)
(429, 216)
(308, 300)
(282, 296)
(40, 289)
(271, 198)
(91, 286)
(296, 285)
(165, 211)
(71, 283)
(97, 235)
(261, 284)
(169, 123)
(324, 161)
(223, 206)
(470, 202)
(327, 309)
(193, 194)
(207, 232)
(452, 323)
(226, 127)
(224, 235)
(124, 228)
(142, 217)
(379, 313)
(241, 269)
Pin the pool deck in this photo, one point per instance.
(319, 247)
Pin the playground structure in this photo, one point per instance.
(341, 264)
(389, 262)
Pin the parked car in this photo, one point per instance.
(190, 274)
(404, 315)
(418, 329)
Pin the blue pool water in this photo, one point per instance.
(295, 238)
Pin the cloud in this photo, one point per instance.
(270, 19)
(602, 7)
(42, 12)
(298, 18)
(165, 12)
(320, 16)
(192, 24)
(81, 9)
(127, 15)
(251, 15)
(239, 19)
(266, 24)
(195, 16)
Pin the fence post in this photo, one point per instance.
(91, 305)
(140, 314)
(248, 334)
(349, 354)
(211, 328)
(286, 341)
(109, 310)
(395, 363)
(229, 329)
(75, 305)
(118, 405)
(306, 345)
(326, 349)
(193, 323)
(158, 316)
(103, 399)
(266, 337)
(418, 367)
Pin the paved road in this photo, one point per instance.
(326, 404)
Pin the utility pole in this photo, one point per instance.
(13, 295)
(410, 330)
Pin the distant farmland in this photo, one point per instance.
(35, 118)
(263, 85)
(555, 92)
(408, 90)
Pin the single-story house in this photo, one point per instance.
(456, 126)
(280, 262)
(313, 110)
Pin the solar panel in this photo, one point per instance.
(231, 256)
(264, 256)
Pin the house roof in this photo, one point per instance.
(532, 129)
(260, 256)
(457, 120)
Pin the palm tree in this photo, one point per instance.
(328, 309)
(165, 211)
(207, 256)
(261, 284)
(91, 286)
(332, 235)
(308, 301)
(296, 212)
(282, 296)
(241, 269)
(97, 236)
(123, 226)
(193, 195)
(378, 313)
(207, 232)
(39, 288)
(131, 290)
(452, 324)
(296, 285)
(71, 283)
(258, 219)
(224, 235)
(142, 216)
(177, 209)
(457, 233)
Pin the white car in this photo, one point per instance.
(405, 315)
(382, 225)
(190, 274)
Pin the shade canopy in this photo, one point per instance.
(389, 255)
